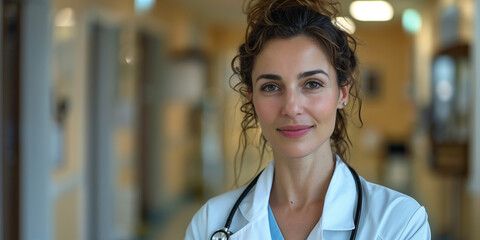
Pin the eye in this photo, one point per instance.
(269, 87)
(313, 85)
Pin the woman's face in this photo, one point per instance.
(296, 96)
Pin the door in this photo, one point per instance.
(147, 46)
(103, 73)
(10, 121)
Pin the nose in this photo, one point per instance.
(292, 105)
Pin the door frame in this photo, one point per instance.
(10, 121)
(102, 68)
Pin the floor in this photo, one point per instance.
(175, 227)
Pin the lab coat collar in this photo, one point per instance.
(339, 207)
(260, 196)
(340, 201)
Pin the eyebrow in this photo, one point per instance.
(269, 76)
(311, 73)
(301, 75)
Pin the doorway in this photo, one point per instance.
(10, 121)
(148, 62)
(103, 69)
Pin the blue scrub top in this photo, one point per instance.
(274, 229)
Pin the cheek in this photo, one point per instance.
(265, 110)
(324, 107)
(325, 101)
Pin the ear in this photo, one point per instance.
(250, 95)
(343, 96)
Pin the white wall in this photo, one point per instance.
(474, 171)
(475, 142)
(36, 121)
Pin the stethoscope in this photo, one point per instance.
(224, 233)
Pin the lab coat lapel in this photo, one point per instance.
(340, 201)
(254, 208)
(338, 212)
(256, 229)
(256, 202)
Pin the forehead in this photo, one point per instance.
(299, 53)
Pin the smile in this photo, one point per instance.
(294, 131)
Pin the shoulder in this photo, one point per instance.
(383, 199)
(212, 215)
(393, 215)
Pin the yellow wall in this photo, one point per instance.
(387, 49)
(389, 115)
(67, 215)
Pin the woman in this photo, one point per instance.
(297, 73)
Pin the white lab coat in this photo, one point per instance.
(386, 214)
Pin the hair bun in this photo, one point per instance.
(259, 10)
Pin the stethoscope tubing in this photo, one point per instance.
(226, 233)
(240, 199)
(358, 208)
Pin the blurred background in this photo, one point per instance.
(118, 122)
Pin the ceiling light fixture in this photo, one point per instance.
(144, 5)
(65, 18)
(371, 10)
(411, 21)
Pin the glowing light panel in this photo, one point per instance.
(144, 5)
(411, 21)
(371, 10)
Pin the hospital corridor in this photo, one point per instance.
(118, 120)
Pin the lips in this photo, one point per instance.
(295, 131)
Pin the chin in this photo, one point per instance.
(294, 152)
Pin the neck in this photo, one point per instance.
(303, 181)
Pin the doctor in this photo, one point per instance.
(297, 74)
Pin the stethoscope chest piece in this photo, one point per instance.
(221, 234)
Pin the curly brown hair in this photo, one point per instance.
(269, 19)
